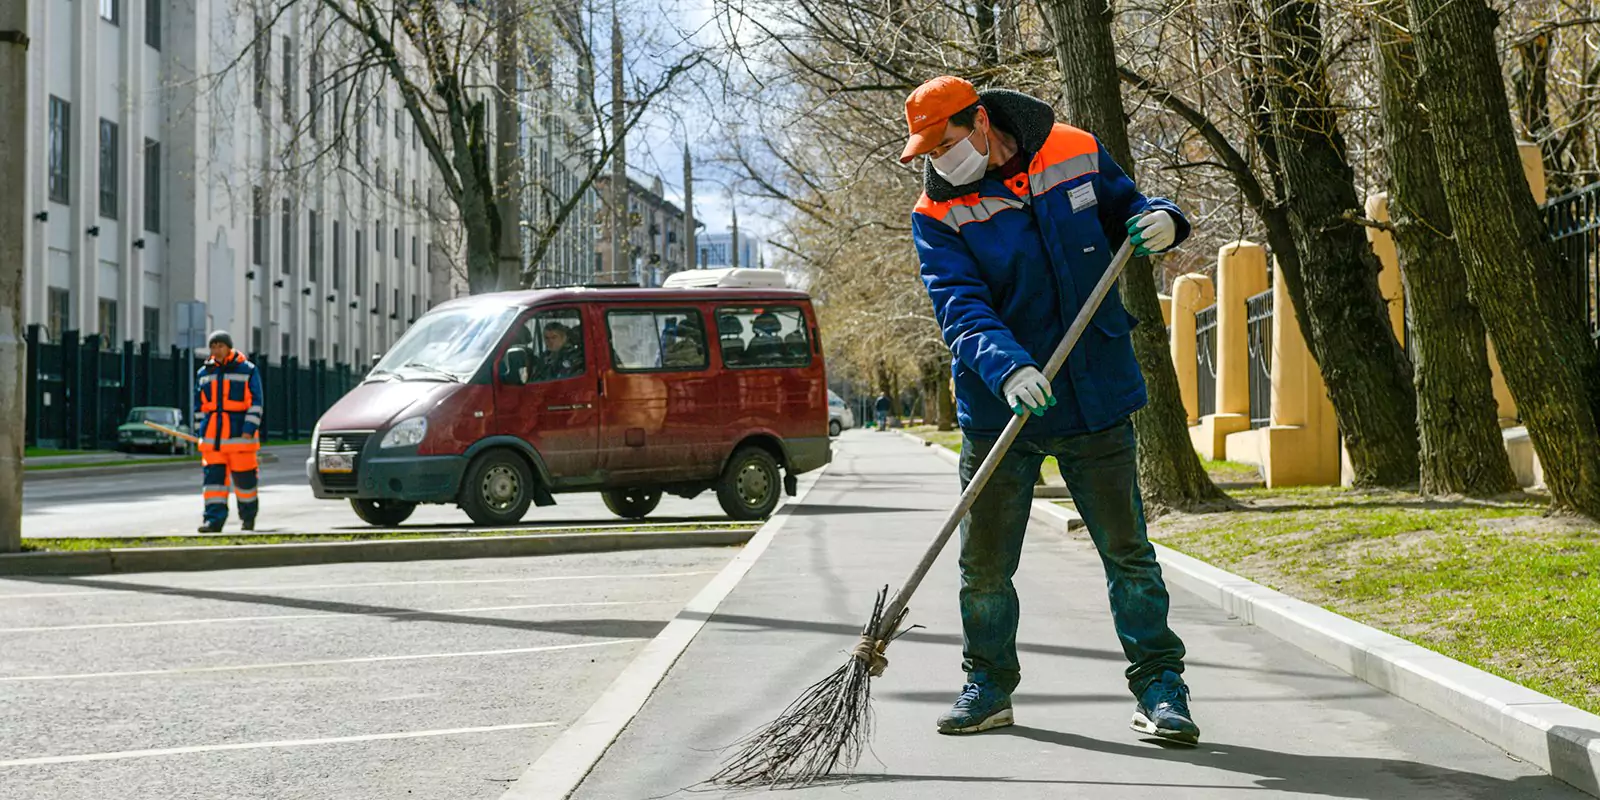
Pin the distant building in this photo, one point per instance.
(654, 247)
(716, 251)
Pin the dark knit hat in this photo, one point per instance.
(220, 336)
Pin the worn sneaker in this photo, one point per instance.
(979, 708)
(247, 525)
(1163, 711)
(210, 527)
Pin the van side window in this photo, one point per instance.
(657, 339)
(554, 341)
(753, 337)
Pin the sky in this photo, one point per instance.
(655, 148)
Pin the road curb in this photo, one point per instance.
(567, 762)
(1558, 738)
(243, 556)
(31, 476)
(1057, 492)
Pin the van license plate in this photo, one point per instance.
(336, 462)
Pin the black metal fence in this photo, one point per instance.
(1258, 333)
(1205, 340)
(79, 391)
(1573, 221)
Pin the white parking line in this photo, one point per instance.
(212, 748)
(154, 589)
(292, 664)
(346, 615)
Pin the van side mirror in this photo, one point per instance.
(514, 366)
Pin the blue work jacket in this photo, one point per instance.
(1008, 264)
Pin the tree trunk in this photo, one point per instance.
(1462, 449)
(14, 123)
(1170, 474)
(1522, 287)
(947, 402)
(1335, 284)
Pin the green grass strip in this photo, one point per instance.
(228, 540)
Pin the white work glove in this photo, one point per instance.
(1152, 232)
(1027, 390)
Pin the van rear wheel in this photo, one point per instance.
(632, 503)
(750, 486)
(498, 489)
(383, 513)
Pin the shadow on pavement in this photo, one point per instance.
(1328, 776)
(542, 524)
(1027, 698)
(810, 510)
(599, 628)
(849, 634)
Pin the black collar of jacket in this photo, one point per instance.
(1027, 119)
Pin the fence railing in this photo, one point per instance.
(1205, 339)
(1573, 221)
(79, 392)
(1258, 333)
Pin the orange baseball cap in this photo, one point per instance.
(928, 110)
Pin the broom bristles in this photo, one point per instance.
(827, 726)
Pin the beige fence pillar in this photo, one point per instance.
(1166, 309)
(1241, 272)
(1389, 277)
(1533, 168)
(1190, 293)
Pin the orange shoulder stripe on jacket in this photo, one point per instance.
(1067, 153)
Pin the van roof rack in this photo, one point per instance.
(726, 279)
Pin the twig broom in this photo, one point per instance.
(831, 722)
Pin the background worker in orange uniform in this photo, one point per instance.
(227, 406)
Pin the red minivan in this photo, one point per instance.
(494, 402)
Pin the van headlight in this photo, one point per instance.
(406, 434)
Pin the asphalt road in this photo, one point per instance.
(166, 502)
(353, 681)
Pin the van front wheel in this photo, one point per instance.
(498, 489)
(632, 503)
(383, 513)
(750, 486)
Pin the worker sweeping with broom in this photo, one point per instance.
(1017, 222)
(1015, 231)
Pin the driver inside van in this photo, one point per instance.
(562, 357)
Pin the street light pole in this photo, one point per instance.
(13, 221)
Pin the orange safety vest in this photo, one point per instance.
(228, 399)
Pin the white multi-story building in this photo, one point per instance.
(716, 250)
(160, 175)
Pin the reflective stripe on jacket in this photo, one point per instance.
(227, 404)
(1009, 263)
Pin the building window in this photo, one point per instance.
(152, 325)
(377, 299)
(287, 222)
(255, 341)
(258, 226)
(377, 176)
(286, 91)
(377, 235)
(108, 169)
(415, 307)
(399, 190)
(399, 252)
(314, 241)
(415, 197)
(283, 343)
(338, 353)
(152, 23)
(263, 51)
(314, 90)
(394, 310)
(399, 129)
(414, 259)
(108, 323)
(110, 11)
(60, 312)
(338, 256)
(152, 186)
(361, 260)
(311, 349)
(60, 150)
(378, 101)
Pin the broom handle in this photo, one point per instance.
(188, 437)
(891, 616)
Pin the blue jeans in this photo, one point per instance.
(1102, 473)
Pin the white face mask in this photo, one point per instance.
(962, 164)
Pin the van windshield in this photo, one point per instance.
(449, 344)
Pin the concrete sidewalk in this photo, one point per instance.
(1277, 723)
